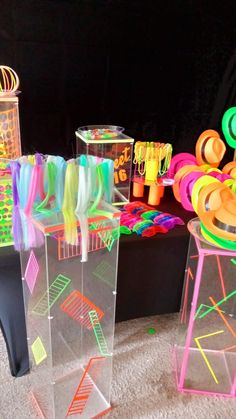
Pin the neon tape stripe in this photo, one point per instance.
(85, 387)
(200, 307)
(98, 332)
(218, 304)
(203, 354)
(51, 295)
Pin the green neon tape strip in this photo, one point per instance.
(102, 345)
(105, 273)
(233, 261)
(38, 351)
(49, 298)
(200, 307)
(218, 304)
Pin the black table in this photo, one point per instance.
(151, 270)
(150, 280)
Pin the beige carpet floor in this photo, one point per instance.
(143, 379)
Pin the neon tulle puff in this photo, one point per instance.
(69, 202)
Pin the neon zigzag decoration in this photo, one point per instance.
(85, 387)
(77, 306)
(218, 304)
(200, 307)
(204, 355)
(97, 328)
(107, 235)
(31, 272)
(50, 297)
(38, 351)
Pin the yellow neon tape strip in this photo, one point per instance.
(203, 354)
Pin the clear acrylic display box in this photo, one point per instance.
(205, 351)
(10, 144)
(70, 315)
(118, 148)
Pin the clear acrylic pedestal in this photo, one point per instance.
(70, 316)
(119, 149)
(205, 352)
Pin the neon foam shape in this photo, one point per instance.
(233, 261)
(204, 355)
(77, 306)
(97, 328)
(31, 272)
(105, 273)
(85, 387)
(50, 297)
(218, 304)
(38, 351)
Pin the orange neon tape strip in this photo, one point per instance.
(223, 317)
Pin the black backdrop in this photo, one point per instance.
(163, 69)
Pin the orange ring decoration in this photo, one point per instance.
(210, 149)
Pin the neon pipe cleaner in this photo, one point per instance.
(69, 202)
